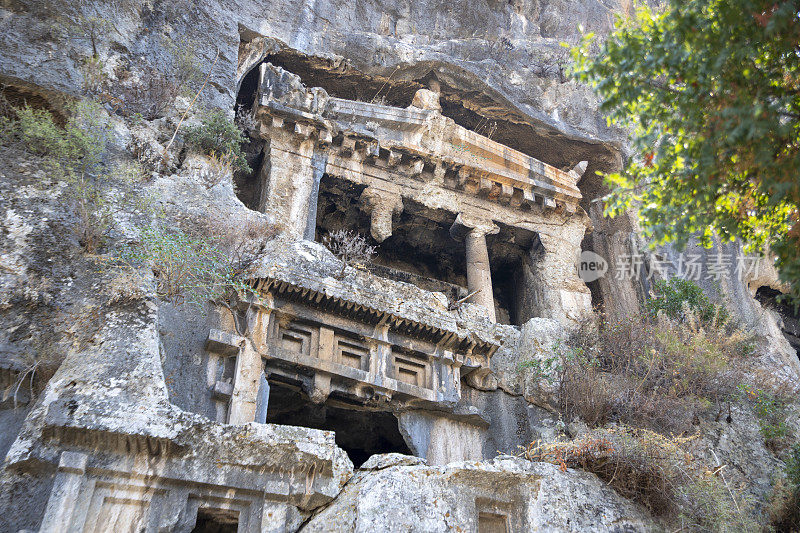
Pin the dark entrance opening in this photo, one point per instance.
(211, 520)
(420, 250)
(511, 252)
(770, 298)
(359, 432)
(247, 183)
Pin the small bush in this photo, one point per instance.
(188, 269)
(657, 472)
(350, 247)
(186, 73)
(784, 508)
(219, 166)
(194, 269)
(73, 153)
(675, 295)
(219, 135)
(34, 369)
(151, 96)
(246, 119)
(94, 76)
(771, 409)
(793, 467)
(75, 148)
(658, 373)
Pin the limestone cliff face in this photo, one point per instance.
(138, 410)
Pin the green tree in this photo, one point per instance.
(710, 91)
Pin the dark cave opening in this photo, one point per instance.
(359, 432)
(511, 253)
(598, 304)
(210, 520)
(247, 184)
(422, 252)
(770, 298)
(346, 82)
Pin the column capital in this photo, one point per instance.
(465, 225)
(381, 205)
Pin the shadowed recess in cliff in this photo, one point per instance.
(790, 317)
(422, 251)
(247, 184)
(359, 432)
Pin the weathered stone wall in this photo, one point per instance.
(129, 400)
(388, 495)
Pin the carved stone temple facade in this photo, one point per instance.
(474, 240)
(395, 158)
(386, 338)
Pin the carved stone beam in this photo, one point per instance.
(578, 170)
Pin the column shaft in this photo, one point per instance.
(479, 275)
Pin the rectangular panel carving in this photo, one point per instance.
(352, 352)
(411, 369)
(127, 509)
(295, 337)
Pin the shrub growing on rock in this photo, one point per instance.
(659, 373)
(657, 472)
(675, 295)
(350, 247)
(195, 268)
(219, 136)
(72, 153)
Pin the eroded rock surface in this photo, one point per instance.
(470, 496)
(154, 422)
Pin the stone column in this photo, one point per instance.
(479, 275)
(246, 385)
(65, 493)
(380, 356)
(262, 401)
(319, 162)
(287, 175)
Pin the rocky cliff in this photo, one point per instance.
(120, 400)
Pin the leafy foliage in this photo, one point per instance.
(73, 153)
(220, 136)
(770, 409)
(675, 295)
(195, 269)
(793, 468)
(710, 90)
